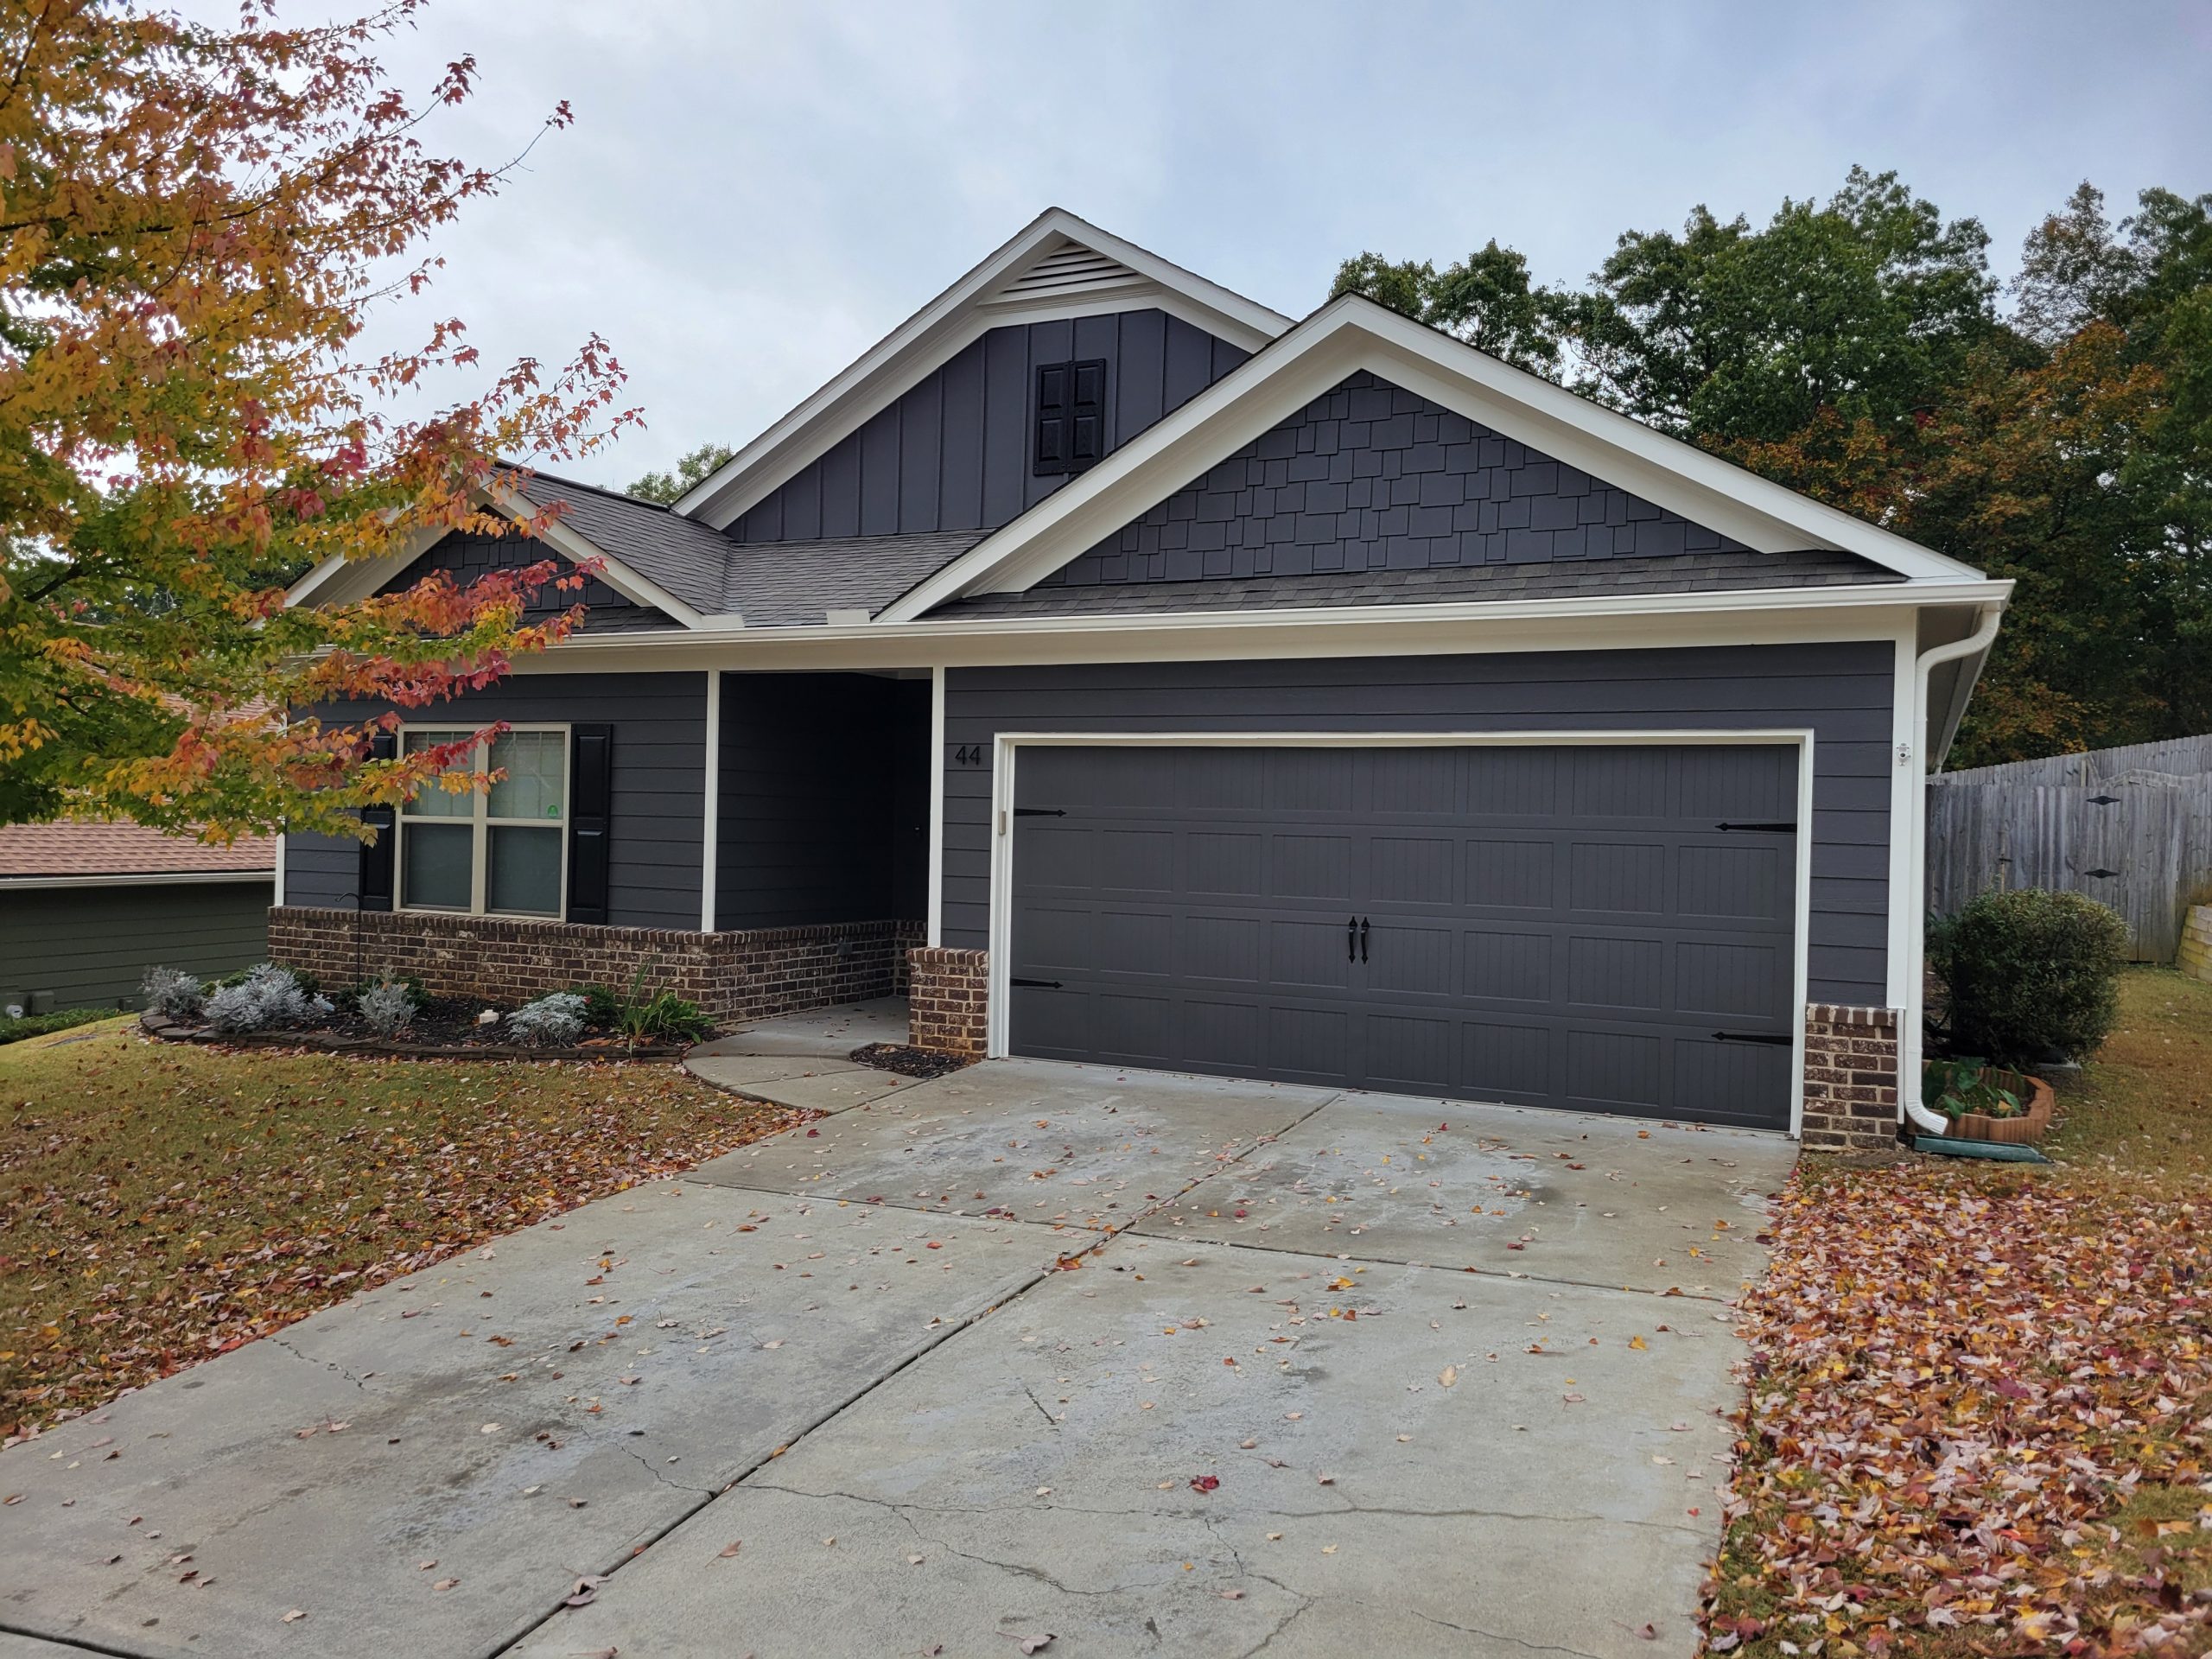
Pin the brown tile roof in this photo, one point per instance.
(32, 849)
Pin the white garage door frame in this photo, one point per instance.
(1009, 745)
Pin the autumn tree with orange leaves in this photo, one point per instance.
(195, 225)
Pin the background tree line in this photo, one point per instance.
(2058, 432)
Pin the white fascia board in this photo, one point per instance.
(342, 581)
(133, 879)
(943, 328)
(1751, 616)
(1353, 332)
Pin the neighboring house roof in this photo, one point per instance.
(1680, 573)
(86, 851)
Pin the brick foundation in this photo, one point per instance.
(750, 975)
(946, 1000)
(1850, 1078)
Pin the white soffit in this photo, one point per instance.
(1353, 332)
(1058, 266)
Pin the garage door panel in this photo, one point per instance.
(1565, 925)
(1613, 973)
(1225, 862)
(1618, 877)
(1410, 870)
(1501, 874)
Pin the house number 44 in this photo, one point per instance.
(968, 754)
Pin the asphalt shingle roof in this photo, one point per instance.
(680, 556)
(37, 849)
(1680, 573)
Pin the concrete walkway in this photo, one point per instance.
(1346, 1369)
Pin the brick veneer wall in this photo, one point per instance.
(1850, 1078)
(750, 975)
(947, 999)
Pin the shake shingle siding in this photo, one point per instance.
(954, 452)
(1840, 691)
(1371, 477)
(659, 782)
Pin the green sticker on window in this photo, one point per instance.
(554, 810)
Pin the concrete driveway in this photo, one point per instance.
(1343, 1369)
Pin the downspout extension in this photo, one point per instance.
(1913, 1109)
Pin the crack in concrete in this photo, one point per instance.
(1488, 1636)
(326, 1364)
(1040, 1404)
(661, 1476)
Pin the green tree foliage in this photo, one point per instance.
(669, 488)
(1859, 351)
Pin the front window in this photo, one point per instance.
(496, 852)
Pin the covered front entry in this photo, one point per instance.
(1604, 926)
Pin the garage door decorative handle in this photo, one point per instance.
(1352, 938)
(1362, 938)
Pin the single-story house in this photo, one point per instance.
(1130, 673)
(86, 908)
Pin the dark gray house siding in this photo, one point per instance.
(90, 946)
(465, 556)
(825, 800)
(1841, 692)
(955, 452)
(659, 789)
(1371, 477)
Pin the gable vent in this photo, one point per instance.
(1069, 269)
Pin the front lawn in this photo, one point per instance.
(1979, 1416)
(161, 1204)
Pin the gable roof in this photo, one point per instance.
(1353, 332)
(1057, 265)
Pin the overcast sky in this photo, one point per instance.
(754, 193)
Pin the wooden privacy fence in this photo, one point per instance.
(2128, 835)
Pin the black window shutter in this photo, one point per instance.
(591, 809)
(373, 888)
(1070, 416)
(1086, 413)
(1053, 418)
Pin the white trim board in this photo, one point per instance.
(136, 878)
(940, 329)
(1353, 332)
(1007, 745)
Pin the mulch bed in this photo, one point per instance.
(442, 1029)
(908, 1062)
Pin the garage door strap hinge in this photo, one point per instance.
(1778, 828)
(1040, 811)
(1767, 1037)
(1037, 984)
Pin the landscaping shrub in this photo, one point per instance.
(664, 1017)
(550, 1020)
(387, 1007)
(38, 1025)
(2029, 973)
(173, 994)
(266, 998)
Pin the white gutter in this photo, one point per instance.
(1910, 1040)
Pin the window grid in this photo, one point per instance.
(472, 811)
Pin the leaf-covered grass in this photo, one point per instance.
(162, 1203)
(1979, 1407)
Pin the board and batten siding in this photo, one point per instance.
(92, 946)
(1841, 692)
(954, 452)
(467, 556)
(659, 789)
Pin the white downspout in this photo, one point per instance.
(1909, 1040)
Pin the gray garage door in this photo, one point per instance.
(1596, 928)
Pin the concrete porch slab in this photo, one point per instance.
(829, 1034)
(1076, 1146)
(795, 1080)
(507, 1422)
(1413, 1482)
(1502, 1189)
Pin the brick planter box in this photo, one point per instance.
(734, 976)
